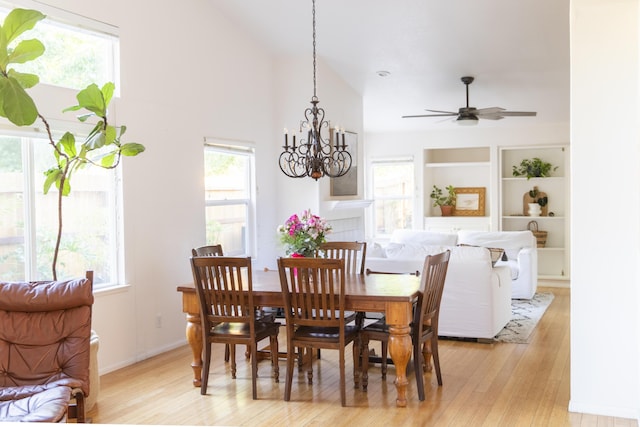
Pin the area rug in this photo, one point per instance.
(525, 316)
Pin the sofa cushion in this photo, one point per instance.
(412, 251)
(513, 266)
(424, 238)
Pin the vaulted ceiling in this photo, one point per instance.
(517, 50)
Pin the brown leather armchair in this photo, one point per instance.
(45, 349)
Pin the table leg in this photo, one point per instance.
(398, 317)
(194, 338)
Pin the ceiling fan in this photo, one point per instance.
(470, 115)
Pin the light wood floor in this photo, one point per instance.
(484, 385)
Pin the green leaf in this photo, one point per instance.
(67, 187)
(123, 129)
(27, 50)
(108, 160)
(131, 149)
(83, 117)
(95, 140)
(110, 135)
(52, 175)
(68, 143)
(18, 21)
(107, 92)
(91, 99)
(15, 103)
(26, 80)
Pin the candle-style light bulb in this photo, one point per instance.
(286, 138)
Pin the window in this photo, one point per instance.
(393, 194)
(28, 218)
(75, 56)
(229, 194)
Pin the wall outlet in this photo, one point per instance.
(158, 320)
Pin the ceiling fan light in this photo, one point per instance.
(467, 120)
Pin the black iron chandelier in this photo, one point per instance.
(314, 156)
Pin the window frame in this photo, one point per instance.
(410, 197)
(246, 149)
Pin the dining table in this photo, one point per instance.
(391, 294)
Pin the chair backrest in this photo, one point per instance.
(434, 273)
(353, 253)
(46, 332)
(313, 291)
(211, 250)
(224, 288)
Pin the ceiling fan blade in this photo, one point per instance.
(491, 117)
(490, 110)
(519, 113)
(430, 115)
(439, 111)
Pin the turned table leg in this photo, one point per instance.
(194, 338)
(398, 316)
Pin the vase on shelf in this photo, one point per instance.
(534, 209)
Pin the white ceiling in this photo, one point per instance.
(517, 50)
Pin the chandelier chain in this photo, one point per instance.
(313, 13)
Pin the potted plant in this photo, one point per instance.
(102, 147)
(533, 168)
(446, 202)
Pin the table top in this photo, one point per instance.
(360, 289)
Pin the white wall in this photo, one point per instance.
(605, 131)
(188, 73)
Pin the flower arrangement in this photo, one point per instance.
(303, 235)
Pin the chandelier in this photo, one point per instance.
(314, 156)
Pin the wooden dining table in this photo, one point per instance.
(391, 294)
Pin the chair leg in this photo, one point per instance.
(253, 354)
(343, 391)
(364, 349)
(226, 352)
(417, 367)
(233, 361)
(436, 358)
(383, 363)
(291, 356)
(274, 358)
(357, 369)
(205, 368)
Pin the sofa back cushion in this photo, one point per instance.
(511, 241)
(424, 238)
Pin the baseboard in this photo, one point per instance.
(607, 411)
(140, 357)
(552, 283)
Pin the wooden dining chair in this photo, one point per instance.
(424, 328)
(353, 253)
(210, 250)
(314, 299)
(224, 288)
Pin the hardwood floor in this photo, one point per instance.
(484, 385)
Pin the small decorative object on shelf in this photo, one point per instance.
(541, 236)
(535, 203)
(533, 168)
(301, 236)
(446, 203)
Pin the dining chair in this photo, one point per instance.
(225, 291)
(424, 328)
(209, 250)
(212, 250)
(353, 253)
(314, 299)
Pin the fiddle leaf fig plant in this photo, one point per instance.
(102, 147)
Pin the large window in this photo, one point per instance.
(74, 56)
(229, 191)
(28, 218)
(393, 194)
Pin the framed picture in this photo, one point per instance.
(470, 201)
(346, 185)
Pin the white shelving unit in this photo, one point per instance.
(553, 259)
(460, 167)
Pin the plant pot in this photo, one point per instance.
(534, 209)
(446, 210)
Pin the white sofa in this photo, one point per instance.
(476, 302)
